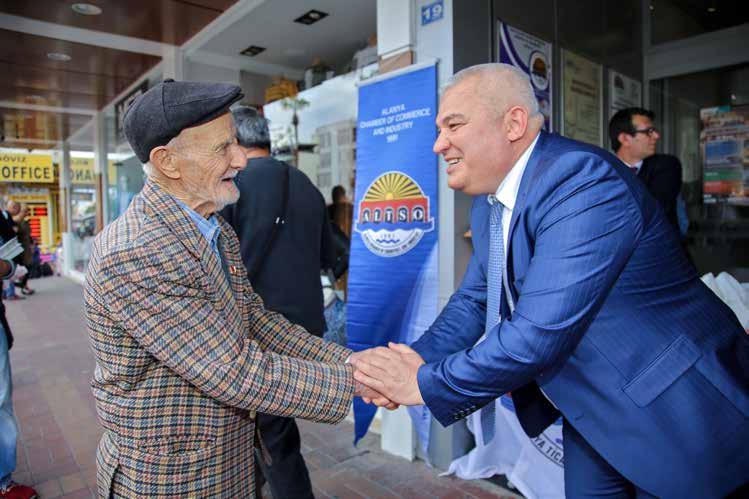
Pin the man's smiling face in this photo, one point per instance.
(472, 139)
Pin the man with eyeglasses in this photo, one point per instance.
(633, 138)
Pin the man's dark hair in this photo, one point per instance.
(337, 193)
(621, 122)
(252, 128)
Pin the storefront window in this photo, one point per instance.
(675, 20)
(607, 31)
(705, 118)
(83, 208)
(534, 16)
(125, 181)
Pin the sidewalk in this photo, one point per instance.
(52, 365)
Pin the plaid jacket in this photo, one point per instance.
(184, 358)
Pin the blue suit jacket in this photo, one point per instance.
(611, 321)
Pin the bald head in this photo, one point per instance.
(501, 86)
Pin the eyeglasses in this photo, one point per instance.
(650, 131)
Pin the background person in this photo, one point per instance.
(8, 426)
(285, 241)
(633, 138)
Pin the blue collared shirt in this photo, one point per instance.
(209, 227)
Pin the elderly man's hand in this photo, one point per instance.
(367, 394)
(391, 372)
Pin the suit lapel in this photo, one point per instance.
(525, 186)
(166, 209)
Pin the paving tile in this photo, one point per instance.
(49, 489)
(78, 494)
(56, 470)
(23, 477)
(89, 476)
(71, 483)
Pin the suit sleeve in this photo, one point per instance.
(275, 333)
(177, 322)
(461, 322)
(586, 231)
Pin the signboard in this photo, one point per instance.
(122, 105)
(724, 141)
(623, 92)
(27, 168)
(393, 281)
(432, 12)
(533, 56)
(82, 171)
(581, 98)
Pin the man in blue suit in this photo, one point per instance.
(587, 305)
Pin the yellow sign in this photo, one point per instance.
(30, 168)
(82, 171)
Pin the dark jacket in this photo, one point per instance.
(6, 233)
(288, 279)
(661, 174)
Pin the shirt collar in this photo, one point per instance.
(636, 166)
(507, 192)
(208, 227)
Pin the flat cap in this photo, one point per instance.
(160, 114)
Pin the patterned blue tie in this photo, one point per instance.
(493, 297)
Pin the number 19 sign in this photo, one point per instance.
(432, 12)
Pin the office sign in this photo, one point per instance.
(623, 92)
(27, 168)
(581, 98)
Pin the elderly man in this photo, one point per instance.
(588, 308)
(186, 354)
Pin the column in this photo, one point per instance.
(100, 170)
(66, 209)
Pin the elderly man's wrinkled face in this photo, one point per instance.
(472, 139)
(209, 159)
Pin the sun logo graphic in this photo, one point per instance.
(393, 215)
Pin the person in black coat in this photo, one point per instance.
(633, 138)
(285, 240)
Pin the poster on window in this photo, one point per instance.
(581, 98)
(724, 143)
(532, 55)
(623, 92)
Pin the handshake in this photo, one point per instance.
(386, 377)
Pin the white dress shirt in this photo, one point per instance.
(507, 194)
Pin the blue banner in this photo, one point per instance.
(393, 284)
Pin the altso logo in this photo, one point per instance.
(393, 215)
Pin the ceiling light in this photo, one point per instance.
(711, 9)
(59, 56)
(311, 17)
(252, 50)
(86, 9)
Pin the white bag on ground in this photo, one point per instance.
(535, 466)
(733, 294)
